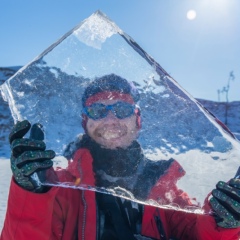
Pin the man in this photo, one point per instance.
(107, 155)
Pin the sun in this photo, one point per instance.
(191, 14)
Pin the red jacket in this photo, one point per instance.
(70, 214)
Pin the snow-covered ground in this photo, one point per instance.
(5, 177)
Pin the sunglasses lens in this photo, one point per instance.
(122, 110)
(96, 111)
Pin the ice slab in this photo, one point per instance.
(174, 125)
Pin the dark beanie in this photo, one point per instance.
(110, 83)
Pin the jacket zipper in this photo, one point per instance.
(84, 215)
(160, 228)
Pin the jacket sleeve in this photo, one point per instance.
(29, 215)
(193, 226)
(161, 223)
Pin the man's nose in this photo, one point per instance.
(110, 116)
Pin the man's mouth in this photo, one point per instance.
(111, 132)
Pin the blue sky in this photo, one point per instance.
(198, 53)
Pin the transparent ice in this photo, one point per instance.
(174, 125)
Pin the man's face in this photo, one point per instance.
(112, 132)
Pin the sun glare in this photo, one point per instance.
(191, 14)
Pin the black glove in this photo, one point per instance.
(226, 203)
(29, 159)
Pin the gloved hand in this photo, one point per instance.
(29, 159)
(226, 203)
